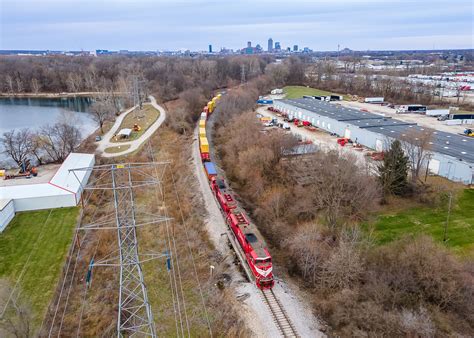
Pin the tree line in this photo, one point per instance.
(311, 210)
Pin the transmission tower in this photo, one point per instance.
(135, 317)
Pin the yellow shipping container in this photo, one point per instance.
(204, 144)
(219, 96)
(202, 132)
(202, 123)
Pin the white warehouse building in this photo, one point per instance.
(452, 154)
(64, 189)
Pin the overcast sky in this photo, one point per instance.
(194, 24)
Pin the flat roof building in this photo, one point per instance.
(64, 189)
(452, 154)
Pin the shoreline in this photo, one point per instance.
(52, 95)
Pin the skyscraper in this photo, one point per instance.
(295, 48)
(210, 48)
(270, 45)
(249, 44)
(277, 46)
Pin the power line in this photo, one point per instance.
(134, 309)
(172, 276)
(192, 255)
(79, 247)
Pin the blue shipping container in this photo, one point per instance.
(210, 168)
(265, 101)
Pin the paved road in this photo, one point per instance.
(135, 144)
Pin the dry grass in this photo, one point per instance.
(144, 118)
(100, 310)
(118, 149)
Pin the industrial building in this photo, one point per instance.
(63, 189)
(452, 154)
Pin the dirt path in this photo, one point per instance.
(135, 144)
(254, 310)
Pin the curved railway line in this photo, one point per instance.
(275, 307)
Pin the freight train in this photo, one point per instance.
(251, 244)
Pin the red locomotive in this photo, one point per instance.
(256, 254)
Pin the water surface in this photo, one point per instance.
(33, 113)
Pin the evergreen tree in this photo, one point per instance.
(393, 172)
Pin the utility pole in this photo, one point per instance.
(445, 238)
(135, 317)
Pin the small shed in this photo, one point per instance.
(125, 133)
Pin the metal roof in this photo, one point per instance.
(63, 182)
(455, 145)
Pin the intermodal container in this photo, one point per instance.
(203, 116)
(202, 132)
(203, 144)
(202, 123)
(210, 169)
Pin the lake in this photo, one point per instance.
(18, 113)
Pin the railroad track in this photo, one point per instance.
(279, 314)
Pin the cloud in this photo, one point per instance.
(171, 24)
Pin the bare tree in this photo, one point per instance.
(194, 100)
(9, 83)
(344, 266)
(339, 189)
(102, 110)
(278, 73)
(309, 251)
(417, 147)
(35, 85)
(19, 84)
(16, 319)
(17, 144)
(59, 140)
(36, 147)
(73, 82)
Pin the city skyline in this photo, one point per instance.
(182, 25)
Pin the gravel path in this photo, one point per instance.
(135, 144)
(254, 310)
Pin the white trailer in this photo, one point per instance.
(437, 112)
(374, 100)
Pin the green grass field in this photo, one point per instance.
(460, 232)
(295, 92)
(47, 239)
